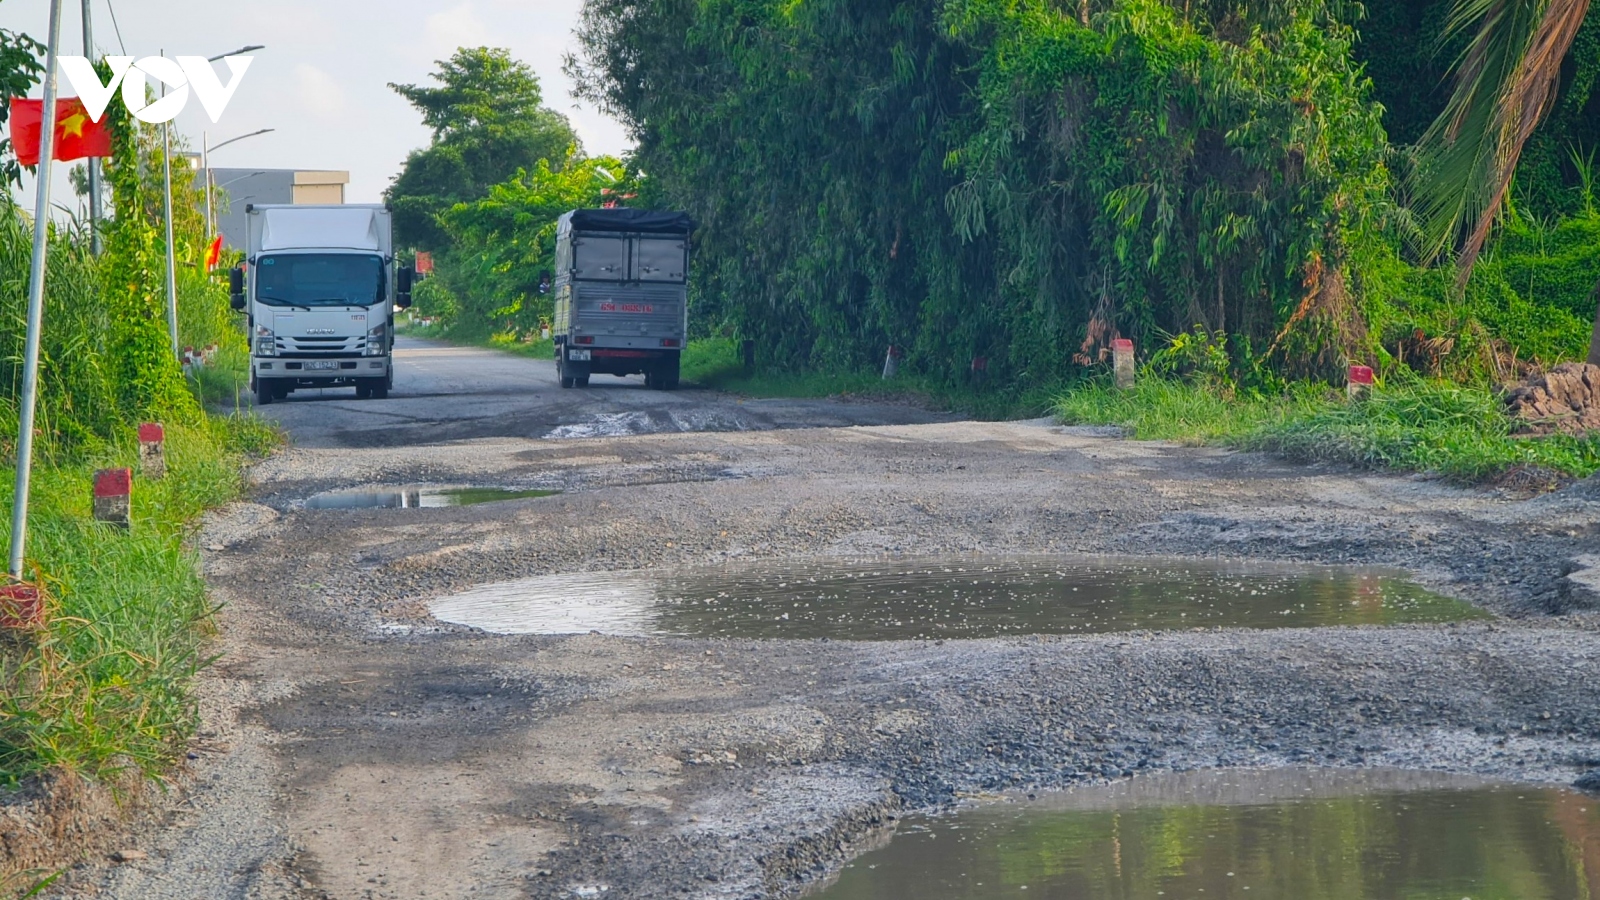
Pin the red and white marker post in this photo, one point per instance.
(1122, 362)
(1360, 383)
(21, 607)
(152, 450)
(113, 497)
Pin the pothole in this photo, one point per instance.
(974, 597)
(417, 497)
(1247, 834)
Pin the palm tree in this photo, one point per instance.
(1505, 82)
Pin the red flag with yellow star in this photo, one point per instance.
(77, 136)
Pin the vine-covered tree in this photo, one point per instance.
(21, 65)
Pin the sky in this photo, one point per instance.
(322, 80)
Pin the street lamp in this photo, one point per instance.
(236, 52)
(172, 263)
(205, 164)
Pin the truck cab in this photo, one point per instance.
(319, 288)
(621, 295)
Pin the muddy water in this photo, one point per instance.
(970, 598)
(416, 497)
(1308, 835)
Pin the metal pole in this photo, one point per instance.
(41, 246)
(93, 163)
(205, 166)
(172, 262)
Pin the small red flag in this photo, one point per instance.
(214, 253)
(77, 136)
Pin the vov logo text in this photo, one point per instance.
(179, 74)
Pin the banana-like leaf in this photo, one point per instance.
(1505, 81)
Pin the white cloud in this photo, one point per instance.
(455, 27)
(320, 93)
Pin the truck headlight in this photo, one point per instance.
(377, 340)
(266, 343)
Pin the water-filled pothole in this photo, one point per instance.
(1241, 835)
(417, 497)
(970, 598)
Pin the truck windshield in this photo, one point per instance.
(319, 279)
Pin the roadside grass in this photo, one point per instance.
(104, 688)
(505, 341)
(716, 363)
(1409, 424)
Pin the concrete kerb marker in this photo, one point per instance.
(1360, 382)
(113, 496)
(21, 607)
(152, 452)
(1122, 362)
(891, 363)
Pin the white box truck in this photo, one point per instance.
(319, 287)
(622, 295)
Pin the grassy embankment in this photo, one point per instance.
(100, 695)
(1411, 424)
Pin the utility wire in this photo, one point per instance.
(117, 28)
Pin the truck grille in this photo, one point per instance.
(308, 347)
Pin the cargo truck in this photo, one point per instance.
(621, 295)
(319, 288)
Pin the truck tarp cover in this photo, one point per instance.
(640, 221)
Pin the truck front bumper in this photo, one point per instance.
(339, 370)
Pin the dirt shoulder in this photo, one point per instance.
(358, 748)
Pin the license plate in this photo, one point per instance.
(323, 364)
(578, 355)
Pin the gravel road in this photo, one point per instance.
(354, 747)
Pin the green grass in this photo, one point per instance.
(461, 334)
(1412, 425)
(716, 363)
(105, 687)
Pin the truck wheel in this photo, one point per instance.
(664, 377)
(581, 381)
(363, 392)
(265, 393)
(561, 371)
(380, 391)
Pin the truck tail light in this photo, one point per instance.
(669, 342)
(585, 339)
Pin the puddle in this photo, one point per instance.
(974, 598)
(416, 497)
(1301, 835)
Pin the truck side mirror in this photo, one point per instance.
(402, 286)
(236, 287)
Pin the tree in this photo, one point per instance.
(503, 245)
(20, 69)
(1504, 84)
(487, 123)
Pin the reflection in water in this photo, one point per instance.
(968, 598)
(417, 497)
(1340, 839)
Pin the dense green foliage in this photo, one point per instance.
(487, 124)
(502, 246)
(1022, 180)
(105, 686)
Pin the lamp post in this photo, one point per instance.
(166, 153)
(205, 165)
(36, 272)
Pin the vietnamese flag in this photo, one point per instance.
(214, 253)
(77, 136)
